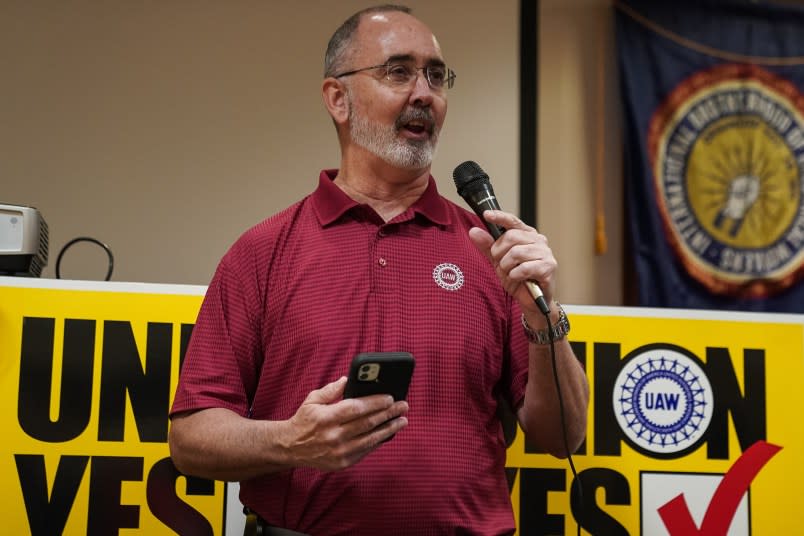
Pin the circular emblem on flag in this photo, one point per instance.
(727, 150)
(663, 400)
(448, 276)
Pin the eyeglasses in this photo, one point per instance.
(404, 74)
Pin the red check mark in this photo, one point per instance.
(718, 517)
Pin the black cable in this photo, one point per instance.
(86, 239)
(575, 479)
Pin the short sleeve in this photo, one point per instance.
(223, 358)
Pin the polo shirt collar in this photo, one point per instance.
(330, 202)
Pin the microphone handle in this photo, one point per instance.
(489, 202)
(538, 296)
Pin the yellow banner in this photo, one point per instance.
(693, 425)
(688, 412)
(87, 378)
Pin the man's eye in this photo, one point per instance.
(436, 74)
(398, 73)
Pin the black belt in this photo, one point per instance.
(256, 526)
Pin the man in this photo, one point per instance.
(359, 266)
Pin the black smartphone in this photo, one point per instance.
(374, 373)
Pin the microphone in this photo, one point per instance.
(474, 186)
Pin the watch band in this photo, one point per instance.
(541, 336)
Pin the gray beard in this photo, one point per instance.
(385, 143)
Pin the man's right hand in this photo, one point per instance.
(330, 433)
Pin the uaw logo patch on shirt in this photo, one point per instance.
(727, 153)
(448, 276)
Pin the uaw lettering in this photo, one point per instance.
(728, 160)
(663, 402)
(121, 376)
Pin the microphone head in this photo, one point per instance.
(469, 177)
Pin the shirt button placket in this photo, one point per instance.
(381, 260)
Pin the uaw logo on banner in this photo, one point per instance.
(727, 151)
(663, 400)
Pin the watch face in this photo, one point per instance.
(563, 324)
(561, 328)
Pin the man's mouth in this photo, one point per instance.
(418, 127)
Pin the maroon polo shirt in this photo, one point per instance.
(298, 295)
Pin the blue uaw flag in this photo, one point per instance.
(713, 98)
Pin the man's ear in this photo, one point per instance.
(335, 99)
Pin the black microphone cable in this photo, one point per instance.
(576, 481)
(86, 239)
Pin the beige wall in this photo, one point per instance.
(165, 129)
(576, 37)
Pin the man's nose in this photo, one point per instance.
(421, 92)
